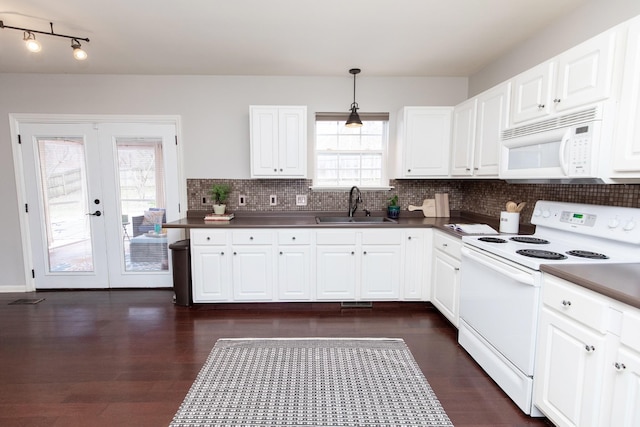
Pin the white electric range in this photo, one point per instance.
(501, 279)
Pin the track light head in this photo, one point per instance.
(30, 41)
(78, 53)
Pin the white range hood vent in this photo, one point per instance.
(557, 122)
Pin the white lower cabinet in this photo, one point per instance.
(261, 265)
(416, 265)
(359, 265)
(295, 275)
(587, 358)
(210, 266)
(445, 283)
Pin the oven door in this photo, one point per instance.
(499, 301)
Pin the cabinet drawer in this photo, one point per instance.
(382, 237)
(336, 238)
(294, 237)
(630, 327)
(208, 237)
(449, 245)
(252, 237)
(576, 303)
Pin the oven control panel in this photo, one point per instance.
(578, 218)
(610, 222)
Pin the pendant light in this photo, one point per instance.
(354, 119)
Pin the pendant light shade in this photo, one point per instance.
(354, 119)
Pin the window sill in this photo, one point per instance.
(335, 189)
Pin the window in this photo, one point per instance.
(351, 156)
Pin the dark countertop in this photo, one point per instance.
(618, 281)
(308, 220)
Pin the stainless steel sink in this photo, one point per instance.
(354, 220)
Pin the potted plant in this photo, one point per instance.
(393, 209)
(220, 194)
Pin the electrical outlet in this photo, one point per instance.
(242, 200)
(205, 201)
(301, 200)
(273, 200)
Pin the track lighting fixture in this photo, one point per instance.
(29, 37)
(354, 119)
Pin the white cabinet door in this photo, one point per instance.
(253, 273)
(292, 149)
(463, 138)
(380, 278)
(294, 273)
(492, 118)
(211, 274)
(278, 141)
(336, 272)
(625, 399)
(569, 377)
(445, 287)
(417, 262)
(424, 138)
(585, 72)
(626, 151)
(531, 92)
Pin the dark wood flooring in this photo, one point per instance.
(128, 357)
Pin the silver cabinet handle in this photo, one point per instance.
(566, 303)
(251, 238)
(589, 348)
(235, 253)
(293, 238)
(221, 253)
(619, 366)
(280, 253)
(456, 268)
(409, 237)
(557, 101)
(444, 245)
(540, 106)
(208, 238)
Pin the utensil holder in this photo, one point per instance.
(509, 222)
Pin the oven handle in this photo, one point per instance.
(519, 276)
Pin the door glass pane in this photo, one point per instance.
(142, 204)
(65, 202)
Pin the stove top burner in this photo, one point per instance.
(527, 239)
(492, 239)
(587, 254)
(537, 253)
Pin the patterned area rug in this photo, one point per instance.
(311, 382)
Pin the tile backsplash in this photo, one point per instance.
(486, 197)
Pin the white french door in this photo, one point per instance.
(94, 194)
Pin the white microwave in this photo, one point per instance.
(560, 149)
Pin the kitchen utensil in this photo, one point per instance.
(428, 207)
(511, 206)
(520, 206)
(442, 205)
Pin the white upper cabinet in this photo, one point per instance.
(278, 141)
(626, 153)
(463, 138)
(580, 76)
(424, 139)
(477, 127)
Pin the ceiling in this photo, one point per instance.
(273, 37)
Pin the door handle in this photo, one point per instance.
(96, 213)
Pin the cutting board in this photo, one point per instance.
(428, 207)
(442, 205)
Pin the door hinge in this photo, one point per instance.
(19, 139)
(179, 208)
(176, 139)
(26, 207)
(33, 274)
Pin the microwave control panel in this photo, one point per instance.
(579, 148)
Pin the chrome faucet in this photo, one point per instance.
(353, 204)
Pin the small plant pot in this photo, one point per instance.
(393, 212)
(219, 209)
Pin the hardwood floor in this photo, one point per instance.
(128, 357)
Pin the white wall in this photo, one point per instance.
(593, 18)
(214, 112)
